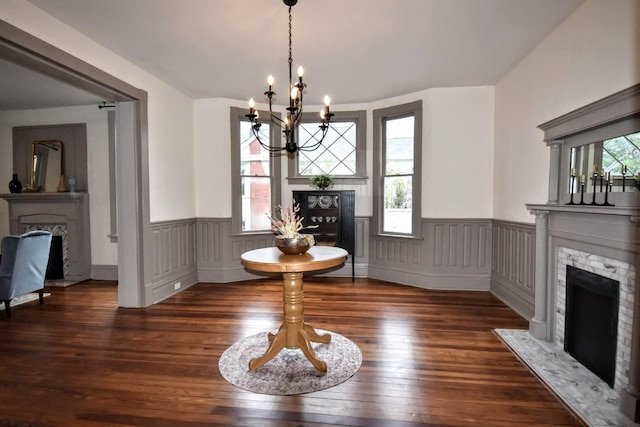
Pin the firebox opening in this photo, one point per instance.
(55, 268)
(591, 325)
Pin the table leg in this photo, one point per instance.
(314, 336)
(277, 344)
(294, 332)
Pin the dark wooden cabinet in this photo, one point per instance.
(334, 214)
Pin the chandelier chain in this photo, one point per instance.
(290, 50)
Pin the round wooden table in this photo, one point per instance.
(294, 331)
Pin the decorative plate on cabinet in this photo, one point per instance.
(312, 201)
(324, 202)
(335, 200)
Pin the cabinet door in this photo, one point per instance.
(321, 210)
(332, 214)
(347, 220)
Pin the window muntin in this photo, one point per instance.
(336, 155)
(342, 153)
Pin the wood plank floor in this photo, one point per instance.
(429, 358)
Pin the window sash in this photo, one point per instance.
(255, 175)
(346, 164)
(397, 170)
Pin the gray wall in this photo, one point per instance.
(476, 254)
(451, 254)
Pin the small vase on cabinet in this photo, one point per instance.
(62, 186)
(15, 186)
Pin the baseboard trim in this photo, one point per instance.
(104, 272)
(471, 282)
(507, 293)
(164, 289)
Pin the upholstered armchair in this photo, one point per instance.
(23, 265)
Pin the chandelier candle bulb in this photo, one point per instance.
(327, 101)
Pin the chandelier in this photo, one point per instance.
(289, 124)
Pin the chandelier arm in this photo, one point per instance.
(276, 120)
(298, 118)
(318, 143)
(269, 148)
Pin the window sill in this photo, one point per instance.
(397, 236)
(355, 180)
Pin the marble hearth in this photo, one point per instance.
(64, 214)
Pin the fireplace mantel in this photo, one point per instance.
(627, 211)
(607, 235)
(68, 213)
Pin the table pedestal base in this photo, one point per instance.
(294, 332)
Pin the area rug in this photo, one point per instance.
(289, 372)
(22, 299)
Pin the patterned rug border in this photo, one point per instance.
(289, 372)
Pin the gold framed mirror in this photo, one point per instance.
(47, 166)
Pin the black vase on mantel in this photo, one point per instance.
(15, 186)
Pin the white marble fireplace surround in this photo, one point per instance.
(617, 270)
(65, 214)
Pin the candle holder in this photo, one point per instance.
(571, 185)
(601, 179)
(606, 195)
(595, 181)
(582, 194)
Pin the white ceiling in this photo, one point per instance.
(354, 50)
(23, 89)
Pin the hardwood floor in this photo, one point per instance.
(429, 358)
